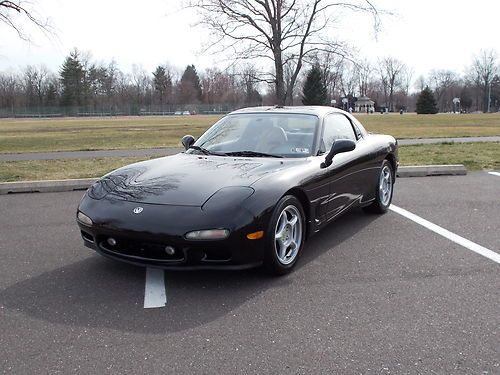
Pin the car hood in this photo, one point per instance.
(183, 179)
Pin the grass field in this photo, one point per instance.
(34, 170)
(71, 134)
(433, 126)
(68, 134)
(475, 156)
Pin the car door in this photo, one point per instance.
(345, 173)
(369, 163)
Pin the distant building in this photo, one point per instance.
(364, 104)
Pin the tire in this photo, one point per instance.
(384, 190)
(286, 234)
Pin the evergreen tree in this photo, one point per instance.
(162, 82)
(190, 87)
(314, 90)
(51, 95)
(426, 102)
(72, 76)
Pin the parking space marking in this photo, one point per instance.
(447, 234)
(154, 291)
(495, 173)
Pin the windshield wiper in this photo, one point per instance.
(206, 152)
(252, 153)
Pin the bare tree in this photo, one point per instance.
(390, 70)
(218, 87)
(443, 83)
(249, 83)
(332, 66)
(9, 9)
(9, 92)
(365, 70)
(420, 83)
(485, 67)
(349, 81)
(407, 79)
(35, 84)
(282, 31)
(142, 84)
(406, 82)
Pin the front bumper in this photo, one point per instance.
(142, 239)
(143, 251)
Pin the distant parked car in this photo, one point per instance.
(186, 113)
(248, 192)
(178, 113)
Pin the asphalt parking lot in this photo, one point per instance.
(371, 294)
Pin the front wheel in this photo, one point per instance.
(286, 236)
(384, 190)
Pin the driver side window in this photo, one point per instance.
(337, 126)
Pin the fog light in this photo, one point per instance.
(111, 241)
(208, 234)
(84, 219)
(169, 250)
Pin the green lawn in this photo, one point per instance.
(70, 134)
(67, 134)
(475, 156)
(34, 170)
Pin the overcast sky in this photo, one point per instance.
(425, 34)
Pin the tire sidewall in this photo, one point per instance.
(271, 261)
(383, 207)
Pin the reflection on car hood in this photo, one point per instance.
(182, 179)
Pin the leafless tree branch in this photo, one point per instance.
(287, 32)
(10, 8)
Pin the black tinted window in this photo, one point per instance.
(337, 126)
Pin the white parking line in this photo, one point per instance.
(447, 234)
(154, 291)
(495, 173)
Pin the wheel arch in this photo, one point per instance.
(392, 159)
(306, 206)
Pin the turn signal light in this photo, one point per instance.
(84, 219)
(208, 234)
(255, 235)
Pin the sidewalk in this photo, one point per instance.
(174, 150)
(427, 141)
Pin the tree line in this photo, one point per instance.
(392, 86)
(85, 87)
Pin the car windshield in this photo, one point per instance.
(260, 135)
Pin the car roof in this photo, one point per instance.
(315, 110)
(319, 111)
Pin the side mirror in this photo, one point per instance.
(339, 146)
(187, 141)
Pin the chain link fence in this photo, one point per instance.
(122, 110)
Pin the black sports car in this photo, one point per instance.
(248, 192)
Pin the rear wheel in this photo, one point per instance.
(285, 236)
(384, 190)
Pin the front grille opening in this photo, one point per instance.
(216, 255)
(141, 249)
(87, 236)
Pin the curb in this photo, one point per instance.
(48, 186)
(52, 186)
(432, 170)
